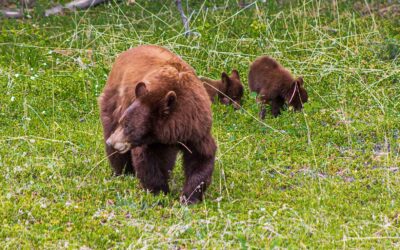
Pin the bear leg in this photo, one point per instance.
(120, 163)
(153, 164)
(276, 105)
(262, 112)
(263, 99)
(198, 166)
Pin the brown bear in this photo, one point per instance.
(274, 84)
(153, 106)
(229, 89)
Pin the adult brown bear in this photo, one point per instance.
(152, 106)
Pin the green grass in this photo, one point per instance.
(327, 177)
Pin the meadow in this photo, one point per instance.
(327, 177)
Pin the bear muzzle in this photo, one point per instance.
(236, 105)
(118, 141)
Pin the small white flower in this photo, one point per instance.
(218, 199)
(110, 216)
(97, 214)
(16, 75)
(12, 98)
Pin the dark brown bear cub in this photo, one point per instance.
(274, 84)
(152, 106)
(229, 89)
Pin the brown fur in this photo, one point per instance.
(152, 105)
(228, 86)
(274, 84)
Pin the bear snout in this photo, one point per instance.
(236, 105)
(118, 141)
(122, 147)
(225, 100)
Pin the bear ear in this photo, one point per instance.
(140, 89)
(167, 103)
(225, 79)
(299, 81)
(235, 74)
(293, 91)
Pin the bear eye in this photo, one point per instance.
(125, 125)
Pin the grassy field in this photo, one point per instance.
(327, 177)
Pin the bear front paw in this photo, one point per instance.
(262, 114)
(189, 201)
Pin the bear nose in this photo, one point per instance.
(108, 142)
(236, 105)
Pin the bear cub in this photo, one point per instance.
(228, 86)
(274, 84)
(152, 107)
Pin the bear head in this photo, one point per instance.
(137, 124)
(297, 94)
(234, 89)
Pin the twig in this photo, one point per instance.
(77, 4)
(185, 20)
(83, 4)
(187, 148)
(12, 13)
(55, 10)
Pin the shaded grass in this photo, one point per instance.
(326, 177)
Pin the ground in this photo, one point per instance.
(327, 177)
